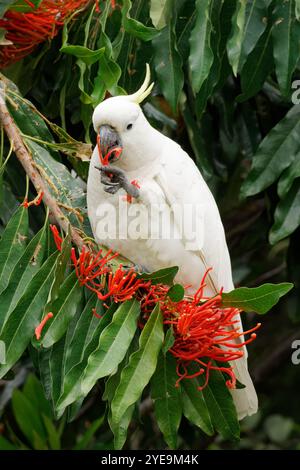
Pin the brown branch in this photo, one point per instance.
(24, 157)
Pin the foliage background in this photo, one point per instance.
(224, 73)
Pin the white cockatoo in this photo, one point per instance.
(167, 189)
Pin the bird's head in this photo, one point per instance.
(120, 122)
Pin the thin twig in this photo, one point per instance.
(24, 157)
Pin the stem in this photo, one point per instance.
(14, 135)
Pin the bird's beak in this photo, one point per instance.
(108, 139)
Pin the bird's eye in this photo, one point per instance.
(129, 126)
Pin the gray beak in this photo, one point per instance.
(108, 139)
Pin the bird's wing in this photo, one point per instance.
(185, 188)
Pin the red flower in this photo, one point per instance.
(39, 328)
(122, 285)
(104, 160)
(94, 272)
(90, 267)
(206, 334)
(57, 238)
(26, 30)
(35, 202)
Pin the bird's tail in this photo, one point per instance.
(245, 399)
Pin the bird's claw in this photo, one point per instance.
(115, 179)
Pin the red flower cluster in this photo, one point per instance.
(94, 272)
(26, 30)
(205, 333)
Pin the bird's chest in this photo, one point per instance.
(120, 221)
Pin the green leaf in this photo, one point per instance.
(23, 6)
(288, 176)
(140, 368)
(250, 22)
(112, 382)
(201, 55)
(4, 5)
(258, 67)
(297, 9)
(113, 344)
(286, 44)
(86, 55)
(234, 44)
(287, 214)
(109, 72)
(52, 433)
(64, 187)
(63, 309)
(51, 365)
(27, 117)
(168, 62)
(221, 407)
(202, 159)
(29, 263)
(166, 397)
(6, 445)
(176, 293)
(3, 42)
(158, 13)
(87, 328)
(84, 441)
(20, 326)
(28, 419)
(257, 299)
(275, 153)
(12, 244)
(134, 27)
(103, 354)
(67, 359)
(162, 276)
(33, 390)
(120, 428)
(220, 14)
(63, 260)
(107, 78)
(169, 340)
(194, 406)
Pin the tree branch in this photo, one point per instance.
(24, 157)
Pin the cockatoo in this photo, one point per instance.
(156, 175)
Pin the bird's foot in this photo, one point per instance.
(115, 179)
(137, 268)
